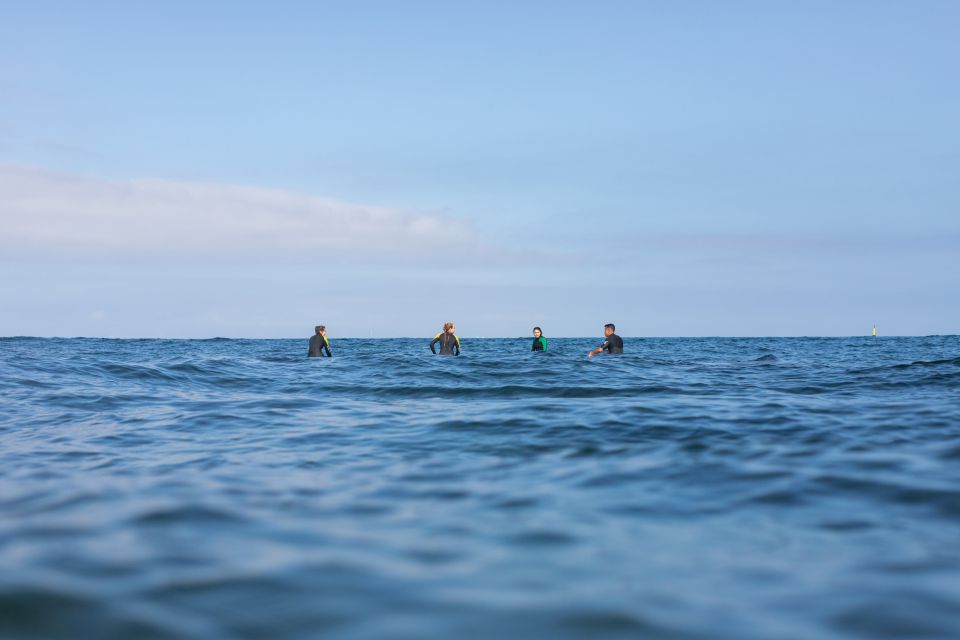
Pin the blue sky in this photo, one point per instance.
(698, 168)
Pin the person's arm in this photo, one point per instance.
(600, 349)
(543, 343)
(435, 340)
(456, 345)
(326, 347)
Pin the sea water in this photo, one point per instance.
(715, 488)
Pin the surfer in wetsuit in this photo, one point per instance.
(319, 343)
(449, 342)
(612, 344)
(539, 342)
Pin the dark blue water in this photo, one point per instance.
(715, 488)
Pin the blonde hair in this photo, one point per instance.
(446, 326)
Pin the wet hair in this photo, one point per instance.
(538, 329)
(446, 326)
(319, 328)
(610, 326)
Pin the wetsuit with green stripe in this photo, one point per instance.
(539, 344)
(449, 344)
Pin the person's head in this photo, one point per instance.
(537, 332)
(609, 329)
(448, 327)
(320, 329)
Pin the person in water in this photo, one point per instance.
(539, 342)
(319, 343)
(449, 342)
(612, 344)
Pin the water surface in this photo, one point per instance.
(715, 488)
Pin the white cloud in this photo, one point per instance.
(44, 213)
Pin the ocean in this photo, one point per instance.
(690, 488)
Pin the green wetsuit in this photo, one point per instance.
(539, 344)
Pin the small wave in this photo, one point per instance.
(192, 515)
(539, 537)
(929, 363)
(944, 500)
(506, 391)
(906, 366)
(602, 623)
(137, 372)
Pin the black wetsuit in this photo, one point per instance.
(539, 344)
(449, 344)
(613, 344)
(318, 344)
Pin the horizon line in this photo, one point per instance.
(425, 337)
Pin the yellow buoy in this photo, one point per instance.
(874, 331)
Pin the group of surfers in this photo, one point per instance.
(449, 343)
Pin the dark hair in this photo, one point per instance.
(319, 328)
(538, 329)
(611, 326)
